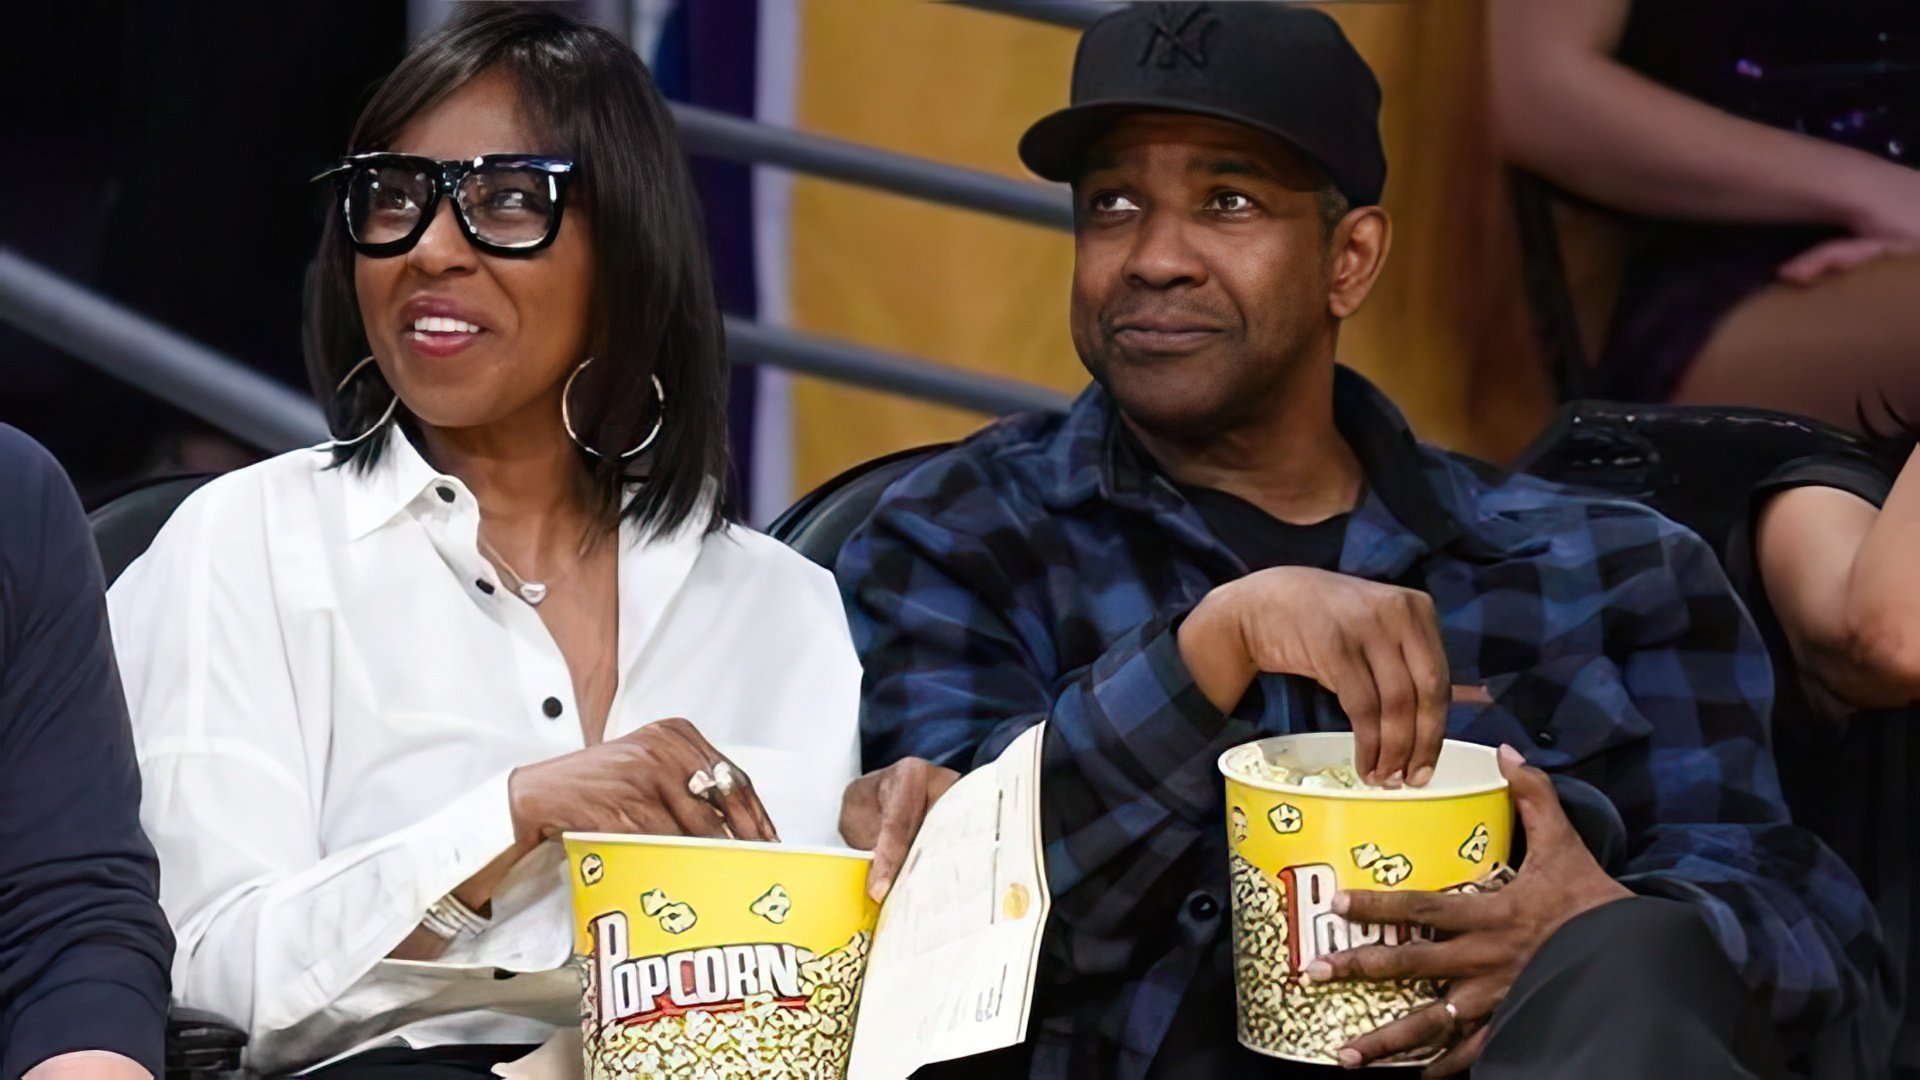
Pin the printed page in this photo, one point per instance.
(954, 958)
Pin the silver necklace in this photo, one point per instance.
(531, 591)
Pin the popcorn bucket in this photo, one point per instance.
(1297, 839)
(717, 958)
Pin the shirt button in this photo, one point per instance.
(484, 586)
(551, 707)
(445, 493)
(1544, 738)
(1202, 907)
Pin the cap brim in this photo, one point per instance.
(1053, 145)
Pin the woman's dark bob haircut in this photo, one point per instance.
(652, 310)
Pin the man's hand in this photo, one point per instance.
(882, 811)
(637, 784)
(88, 1065)
(1488, 937)
(1376, 647)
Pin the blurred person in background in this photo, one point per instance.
(84, 947)
(1825, 560)
(370, 680)
(1770, 145)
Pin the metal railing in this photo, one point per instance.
(709, 133)
(225, 393)
(271, 416)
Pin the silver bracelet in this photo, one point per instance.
(448, 918)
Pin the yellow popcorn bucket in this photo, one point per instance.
(1294, 845)
(717, 959)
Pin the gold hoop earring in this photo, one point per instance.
(385, 417)
(566, 417)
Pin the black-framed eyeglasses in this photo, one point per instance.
(506, 204)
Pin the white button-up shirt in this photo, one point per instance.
(329, 685)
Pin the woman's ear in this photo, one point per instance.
(1358, 252)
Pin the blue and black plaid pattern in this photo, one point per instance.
(1039, 572)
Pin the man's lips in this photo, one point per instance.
(1163, 337)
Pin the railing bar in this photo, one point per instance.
(271, 416)
(238, 400)
(751, 342)
(717, 134)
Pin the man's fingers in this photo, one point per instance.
(1429, 1026)
(1413, 960)
(903, 803)
(1427, 663)
(1399, 711)
(1351, 681)
(860, 813)
(1541, 815)
(1460, 1058)
(1451, 913)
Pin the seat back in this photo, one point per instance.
(124, 528)
(819, 524)
(1695, 464)
(1572, 256)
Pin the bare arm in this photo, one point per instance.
(1838, 573)
(1565, 108)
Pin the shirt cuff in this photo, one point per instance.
(88, 1015)
(460, 839)
(1719, 915)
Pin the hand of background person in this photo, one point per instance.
(882, 813)
(1488, 937)
(1883, 218)
(1376, 647)
(636, 783)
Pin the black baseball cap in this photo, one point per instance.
(1276, 67)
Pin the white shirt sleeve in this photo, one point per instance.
(233, 747)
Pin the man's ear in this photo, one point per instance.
(1358, 252)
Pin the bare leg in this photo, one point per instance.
(1819, 350)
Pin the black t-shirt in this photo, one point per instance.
(1201, 1041)
(1844, 781)
(1262, 540)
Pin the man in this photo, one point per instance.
(84, 949)
(1228, 536)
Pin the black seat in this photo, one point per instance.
(1695, 464)
(124, 527)
(200, 1045)
(819, 524)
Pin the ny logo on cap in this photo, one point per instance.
(1178, 31)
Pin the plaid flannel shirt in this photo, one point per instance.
(1037, 572)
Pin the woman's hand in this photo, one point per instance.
(637, 783)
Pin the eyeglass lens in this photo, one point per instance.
(504, 204)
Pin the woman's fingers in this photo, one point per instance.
(730, 791)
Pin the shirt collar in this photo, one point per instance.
(1414, 503)
(374, 496)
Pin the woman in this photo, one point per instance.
(1769, 146)
(1824, 559)
(372, 679)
